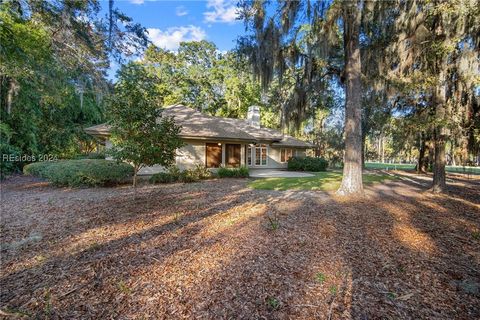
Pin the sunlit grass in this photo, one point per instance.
(323, 181)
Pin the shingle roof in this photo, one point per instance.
(198, 125)
(289, 141)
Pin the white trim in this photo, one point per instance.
(260, 147)
(224, 162)
(251, 154)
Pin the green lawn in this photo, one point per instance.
(324, 181)
(405, 166)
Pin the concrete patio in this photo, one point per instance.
(277, 173)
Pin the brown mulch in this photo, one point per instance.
(218, 250)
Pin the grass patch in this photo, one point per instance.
(333, 290)
(320, 277)
(323, 181)
(273, 303)
(407, 166)
(274, 223)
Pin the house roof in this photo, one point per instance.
(289, 141)
(197, 125)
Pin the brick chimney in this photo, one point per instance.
(253, 116)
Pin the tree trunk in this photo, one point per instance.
(12, 92)
(421, 166)
(352, 170)
(383, 149)
(439, 184)
(430, 157)
(364, 151)
(452, 153)
(379, 149)
(135, 171)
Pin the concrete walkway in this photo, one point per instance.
(276, 173)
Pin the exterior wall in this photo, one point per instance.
(274, 158)
(191, 154)
(194, 152)
(187, 157)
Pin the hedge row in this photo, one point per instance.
(198, 173)
(99, 172)
(241, 172)
(174, 174)
(76, 173)
(307, 164)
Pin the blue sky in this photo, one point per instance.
(170, 22)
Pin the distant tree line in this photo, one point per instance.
(409, 72)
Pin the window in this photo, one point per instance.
(285, 154)
(233, 155)
(261, 155)
(249, 155)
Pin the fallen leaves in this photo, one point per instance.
(217, 249)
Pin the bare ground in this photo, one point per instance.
(218, 250)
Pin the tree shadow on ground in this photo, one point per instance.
(21, 285)
(411, 258)
(399, 253)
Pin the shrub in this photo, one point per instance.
(92, 155)
(174, 174)
(240, 172)
(188, 176)
(307, 164)
(200, 172)
(36, 169)
(162, 177)
(75, 173)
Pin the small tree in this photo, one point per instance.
(140, 135)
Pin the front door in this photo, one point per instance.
(232, 155)
(213, 155)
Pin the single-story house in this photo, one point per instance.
(217, 141)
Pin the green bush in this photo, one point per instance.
(240, 172)
(200, 172)
(6, 166)
(162, 177)
(75, 173)
(188, 176)
(307, 164)
(174, 174)
(92, 155)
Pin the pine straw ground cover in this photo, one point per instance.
(219, 250)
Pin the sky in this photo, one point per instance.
(171, 22)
